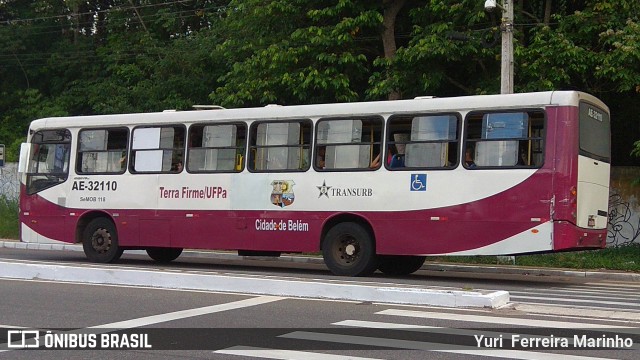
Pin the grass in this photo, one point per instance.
(9, 218)
(623, 258)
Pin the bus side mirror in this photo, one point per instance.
(24, 157)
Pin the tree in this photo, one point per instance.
(320, 53)
(111, 56)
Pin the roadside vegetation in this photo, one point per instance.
(8, 218)
(622, 258)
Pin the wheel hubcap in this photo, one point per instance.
(350, 250)
(101, 240)
(347, 250)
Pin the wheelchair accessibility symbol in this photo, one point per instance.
(418, 182)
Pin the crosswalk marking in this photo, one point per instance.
(285, 354)
(580, 292)
(501, 320)
(574, 300)
(183, 314)
(578, 312)
(431, 329)
(176, 315)
(611, 284)
(446, 331)
(418, 345)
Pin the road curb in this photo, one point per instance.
(273, 286)
(432, 266)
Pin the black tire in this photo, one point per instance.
(349, 250)
(100, 241)
(163, 254)
(400, 265)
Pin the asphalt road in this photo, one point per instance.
(195, 325)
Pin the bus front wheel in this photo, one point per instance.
(400, 265)
(348, 250)
(100, 241)
(164, 255)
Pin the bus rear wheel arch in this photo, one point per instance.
(163, 254)
(100, 241)
(348, 249)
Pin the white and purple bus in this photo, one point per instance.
(370, 185)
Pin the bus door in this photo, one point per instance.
(42, 201)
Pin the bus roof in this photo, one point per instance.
(422, 104)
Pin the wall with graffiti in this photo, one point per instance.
(624, 210)
(9, 184)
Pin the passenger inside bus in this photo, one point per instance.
(398, 150)
(177, 166)
(320, 159)
(468, 158)
(375, 163)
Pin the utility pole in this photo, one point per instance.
(506, 26)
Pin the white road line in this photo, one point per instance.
(435, 347)
(587, 290)
(177, 315)
(629, 293)
(284, 354)
(573, 300)
(503, 320)
(578, 312)
(430, 329)
(392, 326)
(447, 331)
(608, 284)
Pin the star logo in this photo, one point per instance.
(324, 189)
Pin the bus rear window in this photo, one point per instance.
(595, 132)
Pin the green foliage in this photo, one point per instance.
(72, 57)
(595, 49)
(9, 218)
(636, 148)
(626, 258)
(318, 59)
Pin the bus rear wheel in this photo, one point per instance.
(100, 241)
(164, 255)
(348, 250)
(400, 265)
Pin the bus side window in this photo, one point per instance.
(507, 139)
(348, 143)
(423, 141)
(280, 146)
(157, 149)
(102, 151)
(216, 147)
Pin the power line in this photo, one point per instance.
(95, 12)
